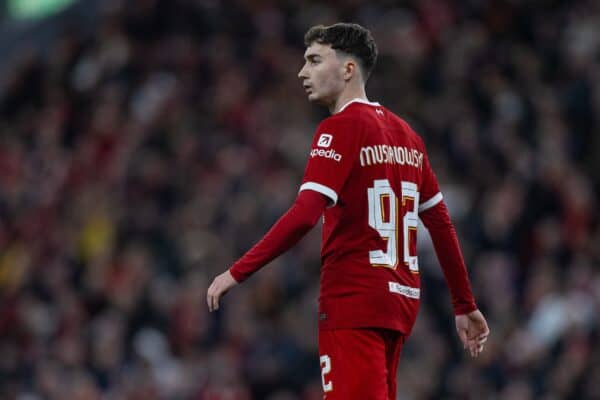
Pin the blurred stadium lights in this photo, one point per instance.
(33, 9)
(33, 24)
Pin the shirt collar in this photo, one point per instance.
(358, 100)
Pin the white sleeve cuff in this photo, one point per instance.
(432, 202)
(317, 187)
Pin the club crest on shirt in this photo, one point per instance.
(324, 140)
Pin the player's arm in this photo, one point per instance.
(445, 241)
(470, 323)
(330, 160)
(287, 231)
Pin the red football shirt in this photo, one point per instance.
(375, 170)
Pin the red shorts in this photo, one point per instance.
(359, 364)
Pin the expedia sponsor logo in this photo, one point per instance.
(324, 140)
(326, 154)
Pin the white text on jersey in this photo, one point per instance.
(326, 154)
(385, 154)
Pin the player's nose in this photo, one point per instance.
(303, 74)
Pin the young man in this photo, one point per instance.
(370, 176)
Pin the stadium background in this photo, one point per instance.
(145, 145)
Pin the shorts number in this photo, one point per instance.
(383, 217)
(325, 369)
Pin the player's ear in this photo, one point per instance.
(350, 69)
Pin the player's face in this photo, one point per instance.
(322, 74)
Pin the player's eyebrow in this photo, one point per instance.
(312, 56)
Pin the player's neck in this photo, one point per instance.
(346, 96)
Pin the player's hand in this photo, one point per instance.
(473, 331)
(219, 286)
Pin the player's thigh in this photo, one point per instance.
(353, 364)
(394, 343)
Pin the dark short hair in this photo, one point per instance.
(350, 38)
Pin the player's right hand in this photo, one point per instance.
(473, 331)
(219, 286)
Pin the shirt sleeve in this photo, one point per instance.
(445, 241)
(289, 229)
(430, 189)
(332, 155)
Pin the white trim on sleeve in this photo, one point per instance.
(317, 187)
(432, 202)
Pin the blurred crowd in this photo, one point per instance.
(140, 158)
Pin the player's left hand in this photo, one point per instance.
(473, 331)
(219, 286)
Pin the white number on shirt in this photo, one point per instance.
(325, 369)
(383, 217)
(410, 222)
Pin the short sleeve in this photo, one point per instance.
(333, 152)
(430, 190)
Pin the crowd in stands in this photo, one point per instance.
(140, 157)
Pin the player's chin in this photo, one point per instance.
(313, 97)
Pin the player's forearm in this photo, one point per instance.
(447, 248)
(287, 231)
